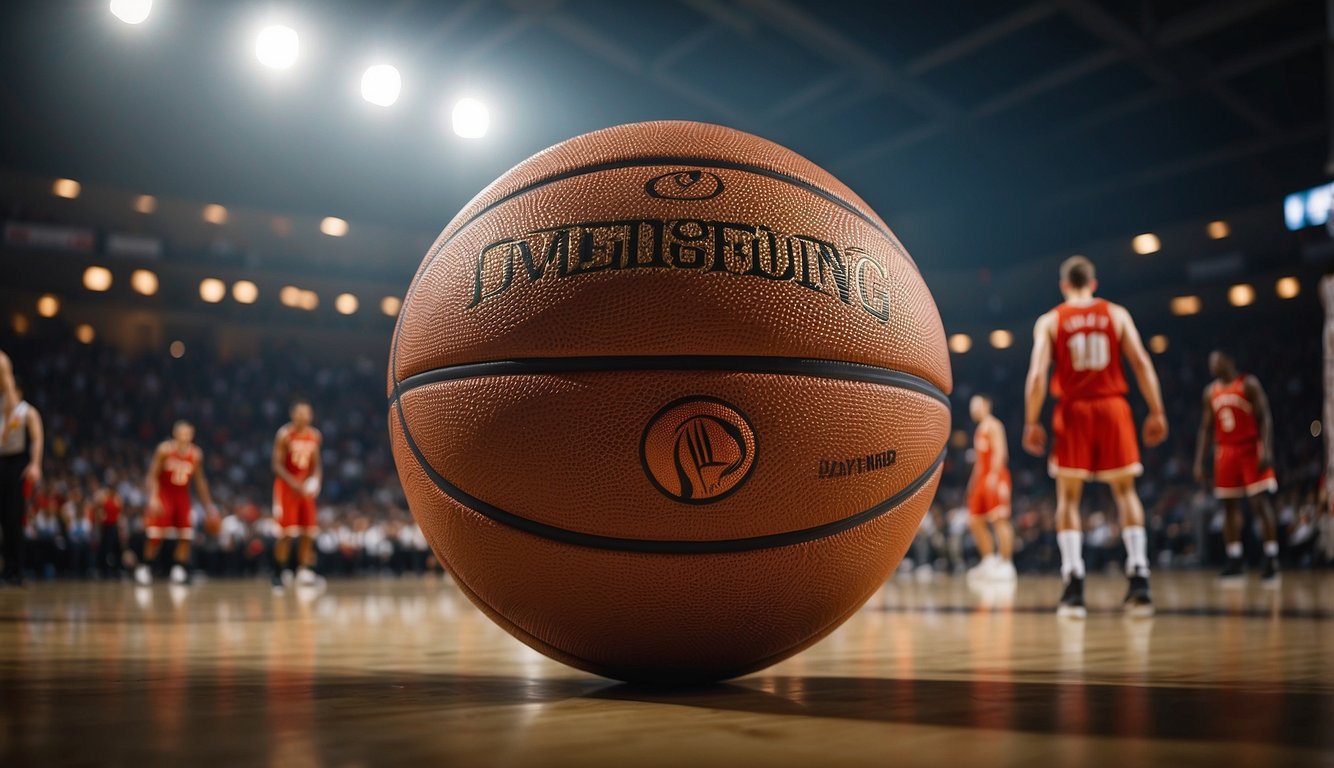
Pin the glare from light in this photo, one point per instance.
(333, 226)
(290, 296)
(346, 304)
(144, 281)
(1218, 229)
(1316, 428)
(245, 292)
(66, 188)
(470, 118)
(131, 11)
(215, 214)
(97, 279)
(1185, 305)
(960, 343)
(1288, 287)
(1002, 339)
(276, 47)
(21, 324)
(381, 84)
(145, 204)
(177, 349)
(48, 305)
(1294, 211)
(1146, 243)
(84, 333)
(390, 305)
(1241, 295)
(309, 300)
(211, 289)
(1158, 344)
(1318, 203)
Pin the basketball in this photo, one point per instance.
(669, 401)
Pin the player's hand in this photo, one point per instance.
(1155, 429)
(1035, 439)
(1266, 461)
(154, 504)
(33, 472)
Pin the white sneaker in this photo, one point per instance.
(1003, 571)
(178, 575)
(305, 577)
(984, 569)
(142, 575)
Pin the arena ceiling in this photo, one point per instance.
(986, 133)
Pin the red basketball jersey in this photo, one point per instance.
(177, 469)
(1234, 416)
(986, 452)
(1088, 352)
(302, 445)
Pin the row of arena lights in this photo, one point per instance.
(213, 290)
(1147, 242)
(49, 306)
(1238, 295)
(278, 46)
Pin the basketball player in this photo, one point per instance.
(297, 477)
(1236, 411)
(8, 394)
(175, 462)
(21, 442)
(1093, 433)
(989, 494)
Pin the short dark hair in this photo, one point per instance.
(181, 423)
(985, 397)
(1078, 271)
(298, 401)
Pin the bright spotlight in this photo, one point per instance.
(346, 304)
(1288, 287)
(290, 296)
(84, 333)
(1146, 243)
(470, 118)
(215, 214)
(48, 305)
(144, 282)
(66, 188)
(390, 305)
(97, 279)
(309, 300)
(276, 47)
(1185, 305)
(211, 289)
(131, 11)
(245, 292)
(1158, 344)
(1241, 295)
(380, 85)
(1218, 229)
(333, 226)
(960, 343)
(1002, 339)
(177, 349)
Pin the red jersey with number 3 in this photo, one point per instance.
(1088, 352)
(1234, 416)
(302, 445)
(177, 469)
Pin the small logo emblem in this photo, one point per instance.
(698, 450)
(684, 185)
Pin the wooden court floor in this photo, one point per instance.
(408, 673)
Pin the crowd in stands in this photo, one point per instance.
(105, 410)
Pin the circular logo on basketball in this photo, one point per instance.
(685, 185)
(698, 450)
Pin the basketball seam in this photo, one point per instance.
(783, 366)
(657, 546)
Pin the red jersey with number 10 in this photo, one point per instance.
(1234, 416)
(1088, 352)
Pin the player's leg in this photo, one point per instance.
(282, 514)
(1070, 542)
(1000, 522)
(977, 524)
(11, 517)
(1262, 504)
(143, 573)
(1138, 601)
(1232, 524)
(185, 534)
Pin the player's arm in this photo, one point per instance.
(1000, 452)
(1205, 435)
(36, 439)
(279, 462)
(1155, 424)
(1035, 385)
(317, 463)
(1260, 405)
(9, 394)
(154, 470)
(201, 482)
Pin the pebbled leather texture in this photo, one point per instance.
(569, 450)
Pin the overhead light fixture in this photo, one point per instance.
(1241, 295)
(1002, 339)
(346, 304)
(1185, 305)
(215, 214)
(470, 118)
(48, 305)
(1288, 287)
(97, 279)
(380, 85)
(277, 46)
(211, 289)
(1146, 244)
(84, 333)
(1218, 229)
(145, 204)
(960, 343)
(245, 292)
(66, 188)
(144, 282)
(131, 11)
(390, 305)
(333, 226)
(1158, 344)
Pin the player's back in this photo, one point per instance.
(1087, 350)
(1234, 414)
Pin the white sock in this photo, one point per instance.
(1137, 550)
(1271, 549)
(1234, 549)
(1071, 544)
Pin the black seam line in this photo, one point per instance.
(663, 546)
(790, 366)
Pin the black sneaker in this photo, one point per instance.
(1072, 599)
(277, 582)
(1271, 573)
(1138, 601)
(1233, 569)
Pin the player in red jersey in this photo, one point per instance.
(989, 495)
(1093, 432)
(175, 462)
(1236, 412)
(297, 476)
